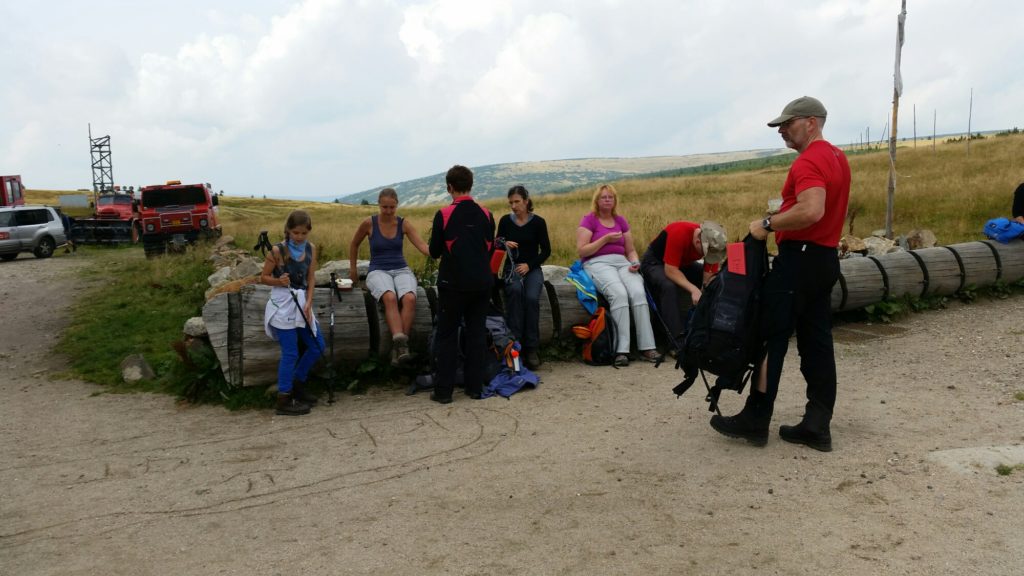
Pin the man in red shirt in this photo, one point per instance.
(671, 269)
(797, 291)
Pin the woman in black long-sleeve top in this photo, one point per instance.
(526, 237)
(1018, 204)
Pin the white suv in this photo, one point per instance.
(36, 229)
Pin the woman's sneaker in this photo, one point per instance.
(401, 347)
(651, 356)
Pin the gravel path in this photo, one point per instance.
(598, 471)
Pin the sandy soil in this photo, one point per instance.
(599, 471)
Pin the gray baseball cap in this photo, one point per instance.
(712, 237)
(800, 108)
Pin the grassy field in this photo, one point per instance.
(943, 190)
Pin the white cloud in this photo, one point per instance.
(543, 65)
(342, 95)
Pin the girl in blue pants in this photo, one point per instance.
(289, 268)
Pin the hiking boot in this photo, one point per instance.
(440, 399)
(400, 342)
(531, 359)
(800, 434)
(813, 429)
(289, 406)
(750, 424)
(621, 360)
(300, 394)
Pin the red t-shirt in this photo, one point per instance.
(675, 246)
(825, 166)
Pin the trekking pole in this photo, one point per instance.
(263, 243)
(330, 359)
(671, 338)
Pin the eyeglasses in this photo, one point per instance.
(786, 124)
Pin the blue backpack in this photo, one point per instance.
(1003, 230)
(585, 290)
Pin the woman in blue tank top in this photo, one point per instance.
(390, 280)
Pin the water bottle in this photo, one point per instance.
(515, 360)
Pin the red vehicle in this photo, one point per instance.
(115, 220)
(12, 193)
(176, 213)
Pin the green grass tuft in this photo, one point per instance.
(1007, 469)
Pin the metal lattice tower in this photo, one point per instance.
(102, 167)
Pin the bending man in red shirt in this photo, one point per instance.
(672, 272)
(797, 291)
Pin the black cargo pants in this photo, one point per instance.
(797, 297)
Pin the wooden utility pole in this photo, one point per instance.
(935, 117)
(970, 111)
(896, 91)
(915, 126)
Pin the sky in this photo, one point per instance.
(320, 98)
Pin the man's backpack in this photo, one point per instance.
(599, 339)
(723, 335)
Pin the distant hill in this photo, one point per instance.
(556, 176)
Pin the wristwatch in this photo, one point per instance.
(767, 224)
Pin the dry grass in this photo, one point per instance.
(942, 190)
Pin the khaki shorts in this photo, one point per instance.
(400, 281)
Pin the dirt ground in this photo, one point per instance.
(598, 471)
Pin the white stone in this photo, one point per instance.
(219, 277)
(195, 327)
(246, 268)
(135, 368)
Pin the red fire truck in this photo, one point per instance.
(176, 213)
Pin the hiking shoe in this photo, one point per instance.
(800, 434)
(440, 399)
(750, 424)
(531, 359)
(400, 343)
(651, 356)
(739, 427)
(289, 406)
(300, 394)
(621, 360)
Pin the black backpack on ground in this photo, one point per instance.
(723, 335)
(500, 341)
(599, 338)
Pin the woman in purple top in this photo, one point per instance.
(605, 246)
(390, 280)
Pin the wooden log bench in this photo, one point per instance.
(249, 357)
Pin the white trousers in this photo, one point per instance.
(624, 291)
